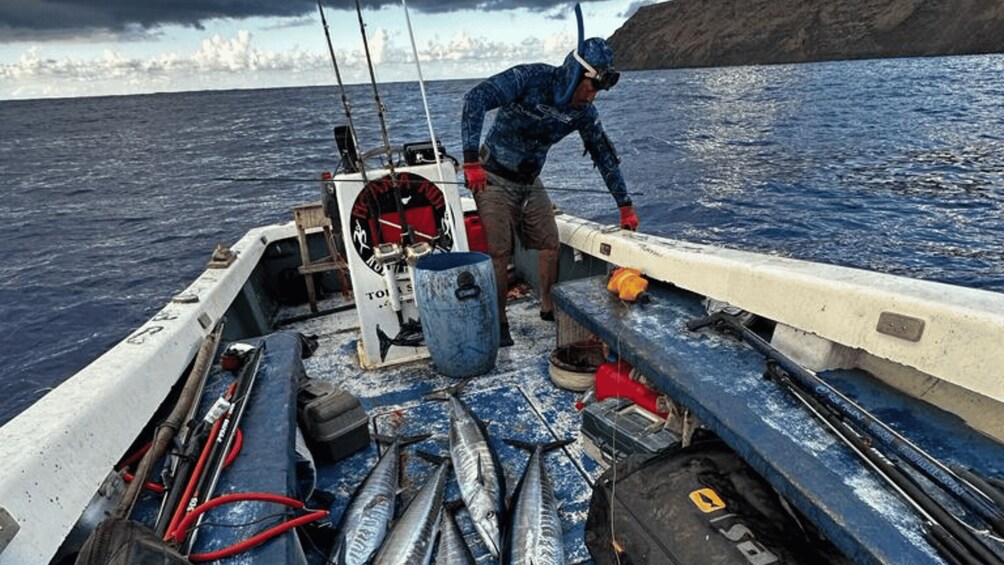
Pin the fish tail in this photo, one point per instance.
(544, 447)
(432, 457)
(404, 440)
(447, 392)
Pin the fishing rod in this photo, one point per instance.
(357, 159)
(400, 180)
(406, 238)
(936, 471)
(205, 485)
(421, 86)
(838, 409)
(940, 526)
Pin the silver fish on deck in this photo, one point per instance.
(452, 548)
(535, 534)
(367, 518)
(482, 485)
(412, 538)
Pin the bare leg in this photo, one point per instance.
(500, 262)
(548, 266)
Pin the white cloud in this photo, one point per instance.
(236, 62)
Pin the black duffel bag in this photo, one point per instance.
(696, 505)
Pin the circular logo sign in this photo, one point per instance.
(376, 219)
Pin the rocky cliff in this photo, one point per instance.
(700, 33)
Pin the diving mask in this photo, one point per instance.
(603, 78)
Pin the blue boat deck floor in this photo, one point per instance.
(516, 400)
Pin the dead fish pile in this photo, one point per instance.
(533, 532)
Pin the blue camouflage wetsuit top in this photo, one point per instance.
(535, 111)
(532, 117)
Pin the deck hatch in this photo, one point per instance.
(898, 325)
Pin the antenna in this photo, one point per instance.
(421, 86)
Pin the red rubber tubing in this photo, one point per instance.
(257, 539)
(235, 449)
(135, 456)
(149, 485)
(182, 529)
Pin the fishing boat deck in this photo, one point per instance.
(516, 400)
(721, 381)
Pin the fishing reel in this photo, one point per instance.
(388, 253)
(416, 251)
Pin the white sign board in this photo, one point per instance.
(370, 217)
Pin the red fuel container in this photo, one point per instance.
(476, 239)
(613, 380)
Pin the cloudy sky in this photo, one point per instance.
(66, 48)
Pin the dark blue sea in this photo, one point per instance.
(108, 206)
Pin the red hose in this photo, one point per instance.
(182, 528)
(253, 541)
(149, 485)
(235, 449)
(257, 539)
(134, 457)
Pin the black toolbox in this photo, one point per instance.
(333, 421)
(614, 428)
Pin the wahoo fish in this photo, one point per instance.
(482, 486)
(367, 517)
(452, 549)
(412, 538)
(535, 530)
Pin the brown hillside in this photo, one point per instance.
(701, 33)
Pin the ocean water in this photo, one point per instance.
(108, 206)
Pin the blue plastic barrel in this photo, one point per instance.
(458, 307)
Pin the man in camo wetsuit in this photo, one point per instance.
(539, 105)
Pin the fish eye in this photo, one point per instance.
(490, 514)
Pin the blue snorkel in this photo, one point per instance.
(565, 98)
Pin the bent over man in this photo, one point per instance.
(538, 105)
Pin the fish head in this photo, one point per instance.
(487, 525)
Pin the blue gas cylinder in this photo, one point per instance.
(458, 308)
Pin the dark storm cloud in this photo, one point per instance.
(41, 19)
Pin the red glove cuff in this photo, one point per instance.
(475, 177)
(629, 220)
